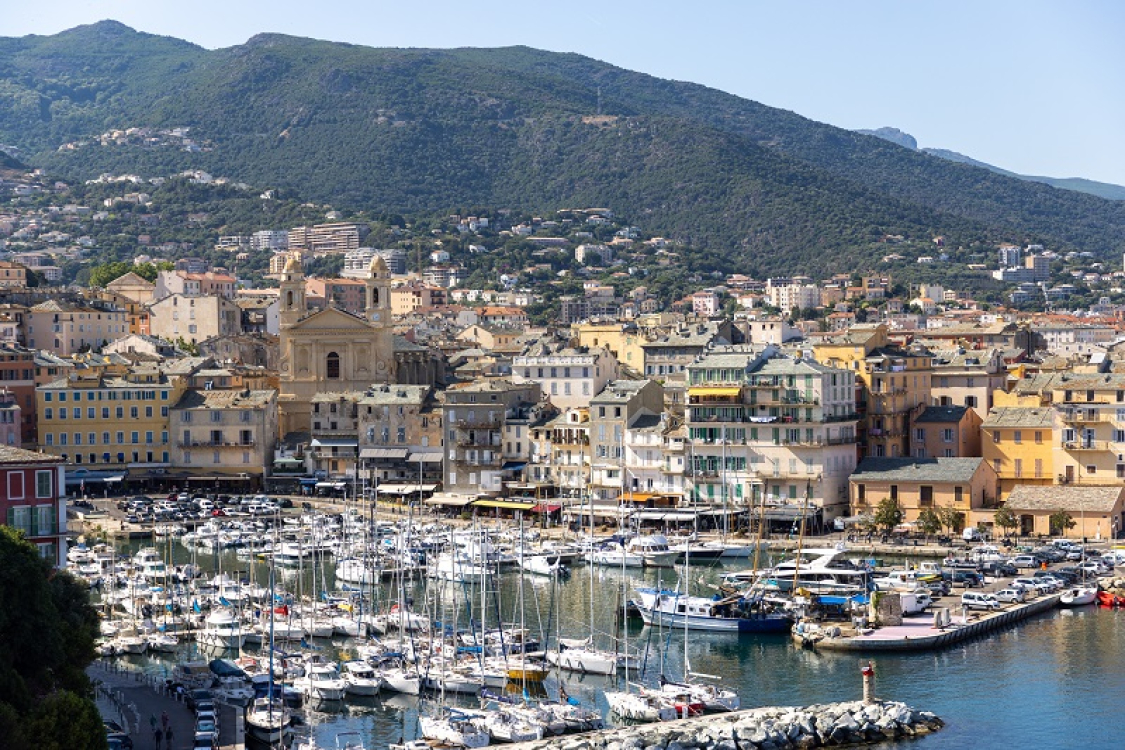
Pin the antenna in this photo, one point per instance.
(599, 101)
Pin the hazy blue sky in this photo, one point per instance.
(1035, 87)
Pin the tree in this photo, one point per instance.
(1061, 522)
(928, 522)
(888, 514)
(951, 518)
(47, 632)
(1006, 520)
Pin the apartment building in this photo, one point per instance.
(194, 318)
(93, 418)
(400, 434)
(480, 418)
(570, 376)
(892, 381)
(622, 405)
(1018, 442)
(772, 430)
(343, 294)
(194, 284)
(967, 377)
(65, 328)
(410, 298)
(227, 435)
(560, 453)
(12, 275)
(327, 238)
(946, 432)
(32, 491)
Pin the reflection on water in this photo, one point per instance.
(1050, 682)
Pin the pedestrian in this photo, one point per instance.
(157, 736)
(168, 738)
(152, 721)
(164, 720)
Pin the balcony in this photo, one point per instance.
(483, 422)
(1087, 416)
(209, 444)
(1088, 445)
(476, 442)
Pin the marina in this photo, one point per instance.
(413, 654)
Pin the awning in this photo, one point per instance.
(715, 391)
(513, 465)
(396, 454)
(431, 457)
(452, 501)
(334, 443)
(307, 481)
(546, 508)
(232, 478)
(404, 489)
(639, 497)
(503, 504)
(93, 478)
(790, 513)
(332, 485)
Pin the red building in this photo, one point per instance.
(17, 374)
(31, 491)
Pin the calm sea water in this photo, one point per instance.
(1054, 681)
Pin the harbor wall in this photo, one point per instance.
(775, 728)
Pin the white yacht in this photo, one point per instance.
(222, 630)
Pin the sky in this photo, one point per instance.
(1032, 86)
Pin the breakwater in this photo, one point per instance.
(774, 728)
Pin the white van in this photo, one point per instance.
(979, 600)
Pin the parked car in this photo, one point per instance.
(1025, 562)
(198, 696)
(979, 600)
(967, 578)
(1034, 585)
(1000, 569)
(1011, 595)
(938, 588)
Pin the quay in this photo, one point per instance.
(917, 632)
(825, 725)
(132, 699)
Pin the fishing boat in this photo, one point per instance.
(734, 614)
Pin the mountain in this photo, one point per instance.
(413, 130)
(1101, 189)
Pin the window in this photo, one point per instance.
(47, 413)
(996, 436)
(894, 492)
(120, 438)
(136, 438)
(1091, 469)
(947, 435)
(187, 456)
(958, 494)
(187, 416)
(43, 484)
(62, 412)
(216, 416)
(93, 438)
(148, 412)
(919, 433)
(105, 412)
(332, 366)
(861, 492)
(1039, 437)
(926, 495)
(1018, 464)
(121, 412)
(1038, 468)
(133, 412)
(1017, 436)
(90, 412)
(105, 439)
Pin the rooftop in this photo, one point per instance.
(1070, 498)
(944, 470)
(1020, 416)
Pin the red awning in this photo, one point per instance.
(546, 508)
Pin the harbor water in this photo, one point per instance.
(1052, 681)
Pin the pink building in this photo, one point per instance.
(31, 499)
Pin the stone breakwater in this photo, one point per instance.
(784, 728)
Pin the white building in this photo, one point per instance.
(570, 376)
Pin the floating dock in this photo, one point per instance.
(917, 633)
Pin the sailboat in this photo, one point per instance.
(267, 718)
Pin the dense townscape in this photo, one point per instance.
(321, 379)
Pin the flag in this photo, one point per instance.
(283, 610)
(223, 601)
(195, 606)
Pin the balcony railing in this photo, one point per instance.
(1088, 445)
(210, 444)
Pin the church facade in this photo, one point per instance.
(330, 350)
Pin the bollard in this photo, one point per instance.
(868, 683)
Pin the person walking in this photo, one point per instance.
(168, 738)
(157, 736)
(164, 720)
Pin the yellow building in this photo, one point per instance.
(624, 340)
(891, 382)
(919, 484)
(1018, 442)
(117, 420)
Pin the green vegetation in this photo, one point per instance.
(107, 272)
(1061, 522)
(888, 514)
(47, 632)
(1006, 520)
(928, 522)
(748, 188)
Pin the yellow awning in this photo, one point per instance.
(715, 391)
(503, 504)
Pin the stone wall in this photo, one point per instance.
(826, 725)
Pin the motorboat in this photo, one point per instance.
(543, 565)
(323, 682)
(613, 554)
(734, 614)
(654, 550)
(222, 630)
(361, 678)
(457, 567)
(454, 727)
(268, 720)
(1079, 596)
